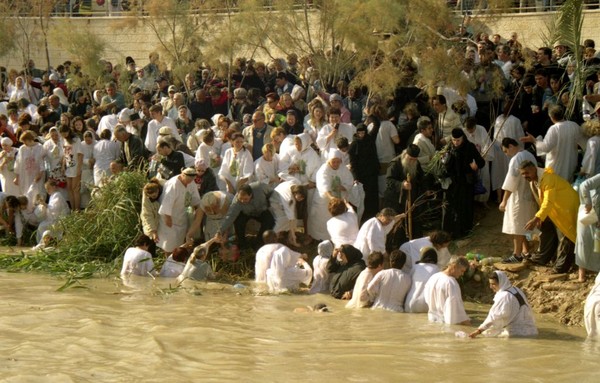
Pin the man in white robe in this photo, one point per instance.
(506, 125)
(389, 287)
(443, 296)
(559, 144)
(438, 239)
(180, 193)
(421, 272)
(372, 234)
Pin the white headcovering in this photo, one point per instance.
(6, 141)
(325, 248)
(61, 96)
(334, 153)
(125, 115)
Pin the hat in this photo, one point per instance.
(240, 93)
(6, 141)
(172, 88)
(53, 77)
(164, 131)
(335, 97)
(61, 96)
(457, 133)
(334, 153)
(189, 172)
(559, 44)
(413, 150)
(361, 127)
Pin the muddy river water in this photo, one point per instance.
(146, 332)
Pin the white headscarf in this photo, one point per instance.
(325, 249)
(6, 141)
(334, 153)
(61, 96)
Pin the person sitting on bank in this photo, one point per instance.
(510, 315)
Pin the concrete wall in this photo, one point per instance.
(139, 42)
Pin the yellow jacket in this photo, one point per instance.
(560, 202)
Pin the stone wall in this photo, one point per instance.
(139, 42)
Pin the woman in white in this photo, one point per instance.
(29, 167)
(316, 120)
(21, 90)
(333, 181)
(287, 270)
(87, 167)
(389, 287)
(289, 204)
(301, 163)
(57, 208)
(214, 205)
(267, 167)
(479, 137)
(517, 203)
(105, 152)
(237, 166)
(421, 272)
(591, 311)
(7, 167)
(320, 282)
(510, 315)
(73, 165)
(343, 224)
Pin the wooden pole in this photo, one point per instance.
(409, 209)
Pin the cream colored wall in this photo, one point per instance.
(139, 42)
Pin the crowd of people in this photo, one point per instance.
(383, 184)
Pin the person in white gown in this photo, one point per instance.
(421, 272)
(29, 167)
(517, 202)
(287, 271)
(591, 311)
(56, 209)
(267, 167)
(264, 255)
(179, 194)
(506, 125)
(175, 263)
(360, 295)
(237, 166)
(439, 240)
(137, 260)
(214, 205)
(333, 181)
(105, 151)
(288, 204)
(320, 282)
(301, 162)
(329, 133)
(343, 224)
(7, 167)
(510, 315)
(372, 234)
(443, 296)
(389, 287)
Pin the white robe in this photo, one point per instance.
(427, 149)
(137, 262)
(265, 171)
(590, 164)
(343, 228)
(171, 268)
(7, 172)
(328, 180)
(415, 299)
(236, 166)
(264, 255)
(320, 282)
(105, 152)
(57, 208)
(284, 274)
(560, 146)
(482, 142)
(175, 201)
(307, 160)
(388, 289)
(444, 300)
(520, 207)
(512, 128)
(506, 316)
(152, 134)
(371, 237)
(212, 223)
(412, 249)
(591, 311)
(360, 295)
(283, 207)
(53, 155)
(344, 130)
(29, 162)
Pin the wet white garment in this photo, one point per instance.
(415, 299)
(137, 262)
(343, 228)
(506, 316)
(320, 282)
(175, 201)
(388, 289)
(264, 255)
(284, 273)
(591, 311)
(171, 268)
(412, 249)
(520, 207)
(371, 237)
(444, 300)
(283, 207)
(360, 295)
